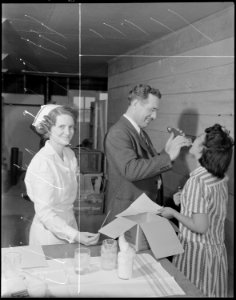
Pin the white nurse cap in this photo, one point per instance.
(44, 111)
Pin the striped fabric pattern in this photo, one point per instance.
(160, 285)
(204, 260)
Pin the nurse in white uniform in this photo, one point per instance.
(51, 180)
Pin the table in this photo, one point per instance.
(67, 251)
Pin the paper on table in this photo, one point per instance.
(141, 205)
(32, 256)
(117, 227)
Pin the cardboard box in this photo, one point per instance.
(135, 235)
(144, 229)
(153, 227)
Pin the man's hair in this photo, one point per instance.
(141, 92)
(217, 150)
(50, 119)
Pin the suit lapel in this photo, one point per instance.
(152, 149)
(131, 128)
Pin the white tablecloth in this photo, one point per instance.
(149, 280)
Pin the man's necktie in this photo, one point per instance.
(144, 138)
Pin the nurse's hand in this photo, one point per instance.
(87, 238)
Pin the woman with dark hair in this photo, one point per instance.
(203, 211)
(51, 180)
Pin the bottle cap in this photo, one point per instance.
(124, 246)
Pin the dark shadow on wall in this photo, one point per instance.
(188, 122)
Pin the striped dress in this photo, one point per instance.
(204, 261)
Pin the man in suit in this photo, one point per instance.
(134, 166)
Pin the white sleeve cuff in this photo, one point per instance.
(71, 235)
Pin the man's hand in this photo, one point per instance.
(174, 145)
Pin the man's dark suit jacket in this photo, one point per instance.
(131, 168)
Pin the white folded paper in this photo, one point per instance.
(143, 204)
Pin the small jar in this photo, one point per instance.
(109, 254)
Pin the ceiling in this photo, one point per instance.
(73, 38)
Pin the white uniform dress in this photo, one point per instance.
(51, 184)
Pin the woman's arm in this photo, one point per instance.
(197, 223)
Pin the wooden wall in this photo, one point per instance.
(195, 74)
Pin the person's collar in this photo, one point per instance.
(48, 147)
(197, 170)
(133, 123)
